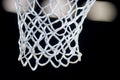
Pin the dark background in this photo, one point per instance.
(98, 43)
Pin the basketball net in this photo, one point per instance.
(48, 34)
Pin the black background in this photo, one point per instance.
(98, 43)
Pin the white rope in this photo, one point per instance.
(46, 40)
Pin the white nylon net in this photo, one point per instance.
(50, 36)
